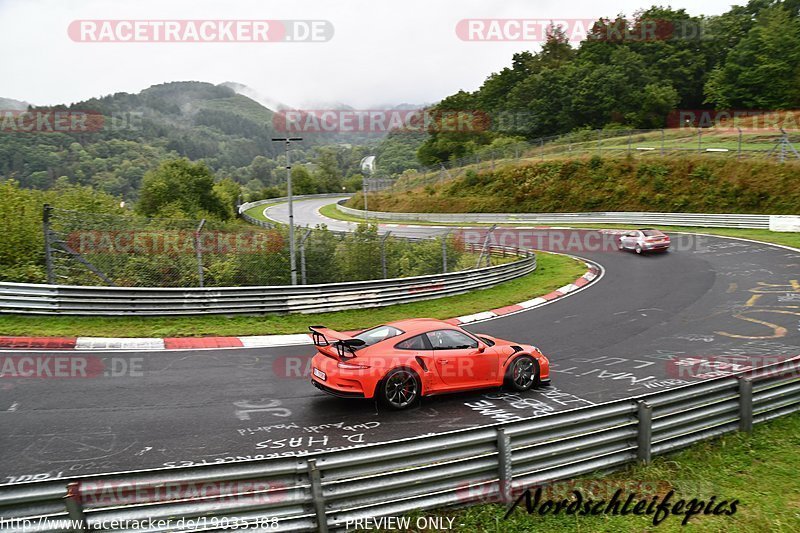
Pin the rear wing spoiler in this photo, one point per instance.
(327, 338)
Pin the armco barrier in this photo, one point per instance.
(322, 491)
(141, 301)
(712, 220)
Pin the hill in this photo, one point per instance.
(201, 121)
(9, 104)
(689, 184)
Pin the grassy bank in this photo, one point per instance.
(257, 212)
(553, 271)
(760, 470)
(687, 184)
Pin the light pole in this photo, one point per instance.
(367, 167)
(292, 259)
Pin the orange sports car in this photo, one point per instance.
(400, 362)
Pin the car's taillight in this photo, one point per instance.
(350, 366)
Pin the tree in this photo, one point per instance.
(182, 185)
(763, 70)
(229, 192)
(327, 173)
(303, 182)
(657, 102)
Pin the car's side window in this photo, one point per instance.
(449, 339)
(417, 342)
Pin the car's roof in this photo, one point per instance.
(420, 325)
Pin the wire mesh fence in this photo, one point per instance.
(84, 248)
(737, 143)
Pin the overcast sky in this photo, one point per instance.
(383, 51)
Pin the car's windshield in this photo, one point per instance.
(378, 334)
(652, 233)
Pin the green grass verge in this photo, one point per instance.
(257, 212)
(553, 271)
(330, 211)
(760, 470)
(786, 239)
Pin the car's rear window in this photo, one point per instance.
(378, 334)
(652, 233)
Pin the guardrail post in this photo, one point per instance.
(72, 502)
(745, 404)
(316, 495)
(645, 427)
(504, 461)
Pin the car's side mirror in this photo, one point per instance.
(481, 347)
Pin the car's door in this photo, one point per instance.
(629, 239)
(419, 348)
(461, 360)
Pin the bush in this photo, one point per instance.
(627, 184)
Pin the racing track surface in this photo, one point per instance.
(722, 297)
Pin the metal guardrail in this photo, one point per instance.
(708, 220)
(322, 491)
(41, 299)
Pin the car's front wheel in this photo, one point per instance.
(400, 389)
(523, 373)
(638, 249)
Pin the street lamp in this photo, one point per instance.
(292, 259)
(367, 167)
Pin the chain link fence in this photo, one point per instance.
(84, 248)
(669, 142)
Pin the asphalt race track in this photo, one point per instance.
(733, 301)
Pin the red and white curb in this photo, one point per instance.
(593, 274)
(264, 341)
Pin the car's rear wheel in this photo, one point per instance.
(638, 248)
(400, 389)
(523, 373)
